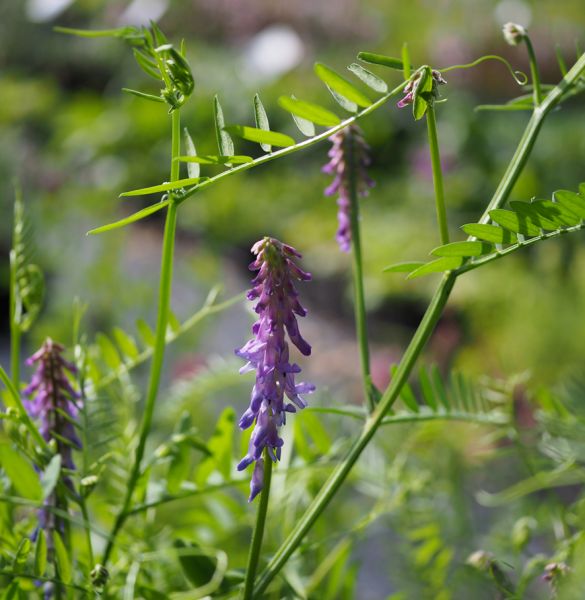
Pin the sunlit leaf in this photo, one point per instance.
(463, 249)
(40, 563)
(144, 96)
(62, 558)
(252, 134)
(224, 141)
(490, 233)
(514, 222)
(309, 111)
(261, 120)
(164, 187)
(51, 475)
(193, 168)
(137, 216)
(23, 477)
(403, 267)
(341, 85)
(446, 263)
(381, 59)
(372, 81)
(216, 160)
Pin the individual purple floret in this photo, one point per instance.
(268, 353)
(52, 399)
(410, 87)
(349, 158)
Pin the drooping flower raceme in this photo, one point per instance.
(349, 159)
(52, 399)
(275, 391)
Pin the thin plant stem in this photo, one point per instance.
(437, 175)
(15, 333)
(258, 532)
(358, 275)
(416, 345)
(166, 274)
(534, 72)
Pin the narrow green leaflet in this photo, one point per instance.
(264, 138)
(490, 233)
(572, 201)
(381, 59)
(561, 213)
(224, 141)
(50, 476)
(447, 263)
(216, 160)
(309, 111)
(143, 95)
(463, 249)
(164, 187)
(342, 86)
(23, 477)
(403, 267)
(193, 168)
(147, 65)
(40, 564)
(261, 120)
(346, 104)
(221, 446)
(372, 81)
(514, 222)
(306, 127)
(427, 388)
(149, 210)
(108, 351)
(122, 32)
(146, 333)
(126, 343)
(62, 558)
(541, 218)
(406, 394)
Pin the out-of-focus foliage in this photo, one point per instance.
(428, 496)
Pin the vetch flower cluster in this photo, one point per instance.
(268, 353)
(349, 159)
(416, 82)
(53, 400)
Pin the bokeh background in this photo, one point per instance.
(75, 141)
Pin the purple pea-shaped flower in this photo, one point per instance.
(349, 159)
(275, 391)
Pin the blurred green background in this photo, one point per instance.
(75, 141)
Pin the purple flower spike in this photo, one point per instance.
(52, 399)
(348, 153)
(268, 353)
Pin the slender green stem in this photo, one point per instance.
(338, 476)
(437, 175)
(258, 532)
(534, 72)
(15, 333)
(416, 345)
(166, 275)
(358, 274)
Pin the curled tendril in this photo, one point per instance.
(519, 76)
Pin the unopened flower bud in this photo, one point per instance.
(99, 576)
(513, 33)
